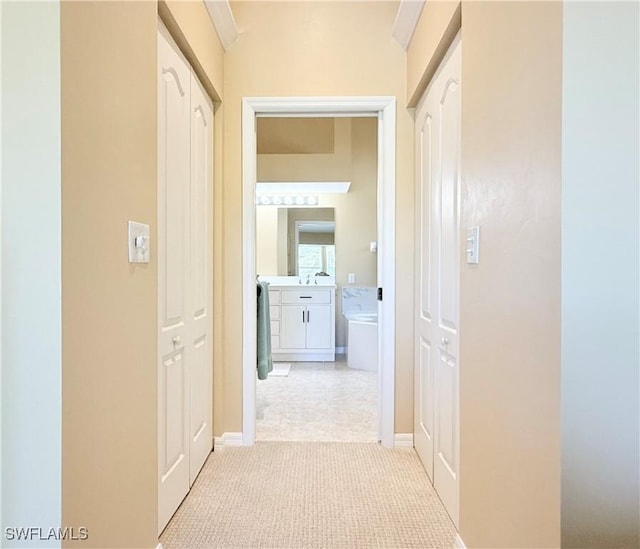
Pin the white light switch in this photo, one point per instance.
(473, 245)
(352, 278)
(138, 239)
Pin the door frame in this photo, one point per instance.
(384, 108)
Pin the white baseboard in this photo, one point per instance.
(459, 544)
(403, 440)
(341, 350)
(227, 440)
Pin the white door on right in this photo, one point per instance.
(437, 278)
(201, 283)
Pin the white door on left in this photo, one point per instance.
(174, 81)
(185, 175)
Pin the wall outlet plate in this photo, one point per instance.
(138, 242)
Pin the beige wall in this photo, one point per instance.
(331, 166)
(267, 241)
(438, 24)
(356, 227)
(289, 135)
(307, 48)
(326, 239)
(510, 302)
(108, 55)
(109, 158)
(510, 313)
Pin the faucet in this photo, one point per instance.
(308, 276)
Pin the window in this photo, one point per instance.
(316, 258)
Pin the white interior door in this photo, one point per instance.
(185, 174)
(427, 158)
(173, 284)
(438, 280)
(201, 383)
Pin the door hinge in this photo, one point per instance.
(379, 294)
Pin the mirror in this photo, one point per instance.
(315, 248)
(295, 241)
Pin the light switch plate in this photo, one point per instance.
(138, 237)
(473, 245)
(351, 278)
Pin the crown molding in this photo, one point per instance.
(222, 18)
(407, 18)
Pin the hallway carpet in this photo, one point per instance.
(311, 495)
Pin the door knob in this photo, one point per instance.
(176, 341)
(445, 341)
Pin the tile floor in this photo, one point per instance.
(318, 401)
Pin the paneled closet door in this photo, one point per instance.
(174, 350)
(427, 157)
(201, 383)
(438, 279)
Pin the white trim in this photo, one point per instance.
(407, 18)
(403, 440)
(385, 109)
(227, 440)
(459, 544)
(223, 21)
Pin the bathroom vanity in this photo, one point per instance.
(302, 322)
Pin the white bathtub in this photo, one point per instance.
(362, 341)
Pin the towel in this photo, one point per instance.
(265, 361)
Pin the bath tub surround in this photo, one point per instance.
(360, 308)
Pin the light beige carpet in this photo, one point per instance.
(311, 495)
(320, 402)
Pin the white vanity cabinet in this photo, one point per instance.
(303, 323)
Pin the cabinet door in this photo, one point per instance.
(318, 327)
(292, 327)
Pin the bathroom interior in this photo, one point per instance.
(316, 247)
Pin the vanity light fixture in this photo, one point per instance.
(302, 187)
(298, 193)
(287, 200)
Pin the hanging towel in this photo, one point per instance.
(265, 361)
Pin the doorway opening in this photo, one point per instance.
(383, 109)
